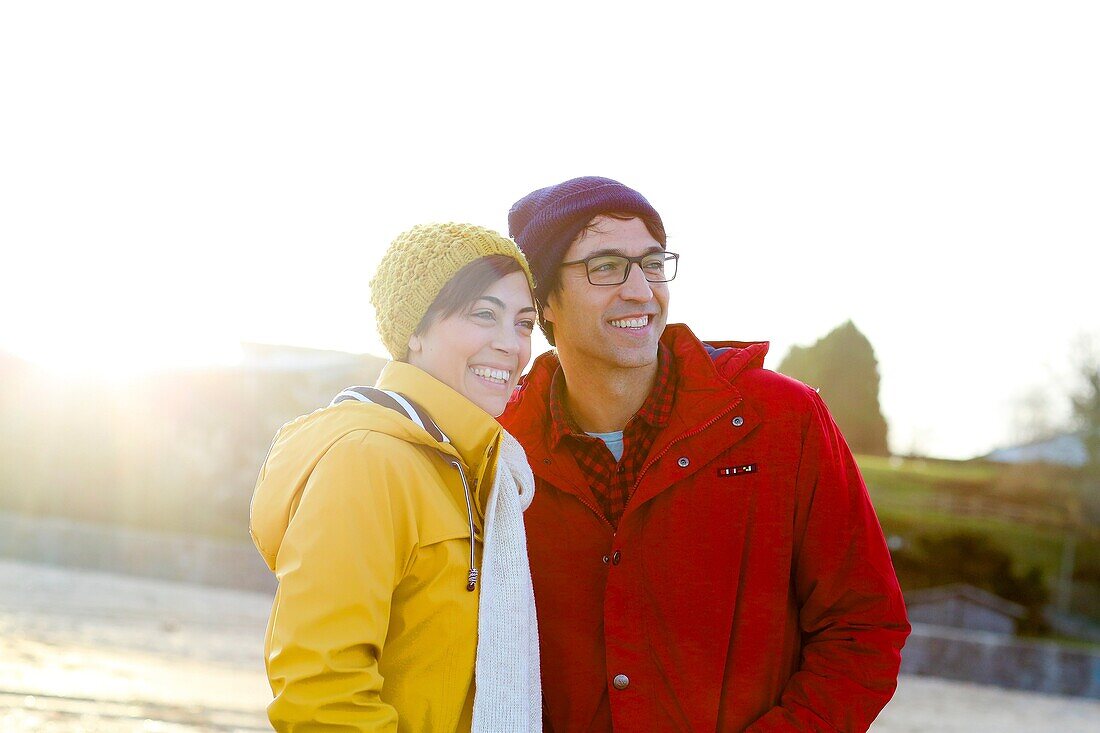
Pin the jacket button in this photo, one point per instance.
(606, 559)
(621, 682)
(616, 557)
(683, 462)
(738, 421)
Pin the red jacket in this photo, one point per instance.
(748, 585)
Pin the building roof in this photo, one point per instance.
(965, 592)
(1067, 449)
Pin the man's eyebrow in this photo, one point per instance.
(622, 253)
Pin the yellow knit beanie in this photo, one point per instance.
(418, 264)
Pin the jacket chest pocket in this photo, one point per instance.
(453, 527)
(760, 464)
(444, 545)
(442, 514)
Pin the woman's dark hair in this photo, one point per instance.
(466, 286)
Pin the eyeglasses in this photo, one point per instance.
(657, 267)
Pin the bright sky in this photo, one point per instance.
(178, 177)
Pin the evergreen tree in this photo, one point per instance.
(842, 366)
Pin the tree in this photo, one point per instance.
(1086, 413)
(842, 366)
(1086, 402)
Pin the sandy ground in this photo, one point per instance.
(93, 652)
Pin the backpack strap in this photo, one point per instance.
(397, 402)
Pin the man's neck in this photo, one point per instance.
(602, 400)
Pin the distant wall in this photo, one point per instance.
(113, 548)
(1004, 661)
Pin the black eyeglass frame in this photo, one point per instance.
(673, 256)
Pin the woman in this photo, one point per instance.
(372, 512)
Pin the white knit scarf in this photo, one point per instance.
(508, 691)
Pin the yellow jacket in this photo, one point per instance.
(365, 525)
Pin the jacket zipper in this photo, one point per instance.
(667, 448)
(605, 520)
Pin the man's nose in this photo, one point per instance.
(636, 286)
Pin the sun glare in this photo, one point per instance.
(120, 358)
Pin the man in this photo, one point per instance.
(703, 550)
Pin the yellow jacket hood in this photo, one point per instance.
(300, 444)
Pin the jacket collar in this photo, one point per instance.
(654, 412)
(471, 430)
(700, 369)
(704, 391)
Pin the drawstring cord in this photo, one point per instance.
(471, 579)
(404, 406)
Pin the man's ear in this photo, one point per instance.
(547, 311)
(415, 344)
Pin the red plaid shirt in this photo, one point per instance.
(611, 483)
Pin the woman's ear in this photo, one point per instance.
(415, 345)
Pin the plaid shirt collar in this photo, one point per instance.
(655, 411)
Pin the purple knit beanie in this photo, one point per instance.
(545, 222)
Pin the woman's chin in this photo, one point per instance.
(489, 403)
(493, 406)
(492, 398)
